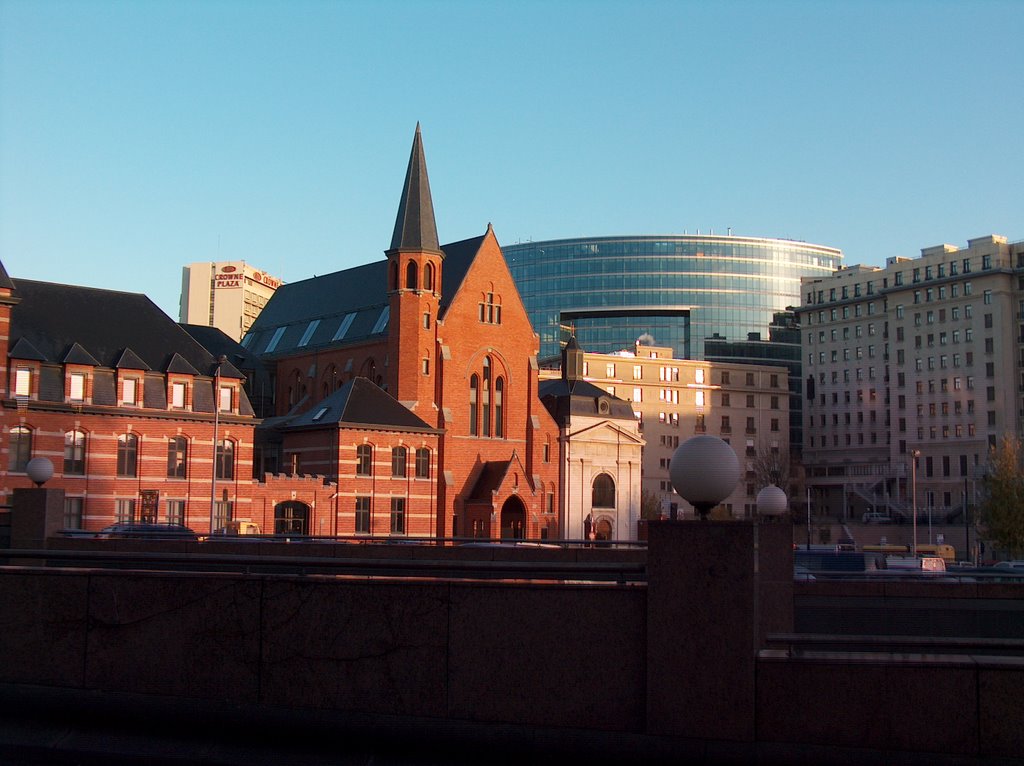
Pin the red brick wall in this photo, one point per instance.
(510, 346)
(332, 370)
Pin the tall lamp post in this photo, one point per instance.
(914, 455)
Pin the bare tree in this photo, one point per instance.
(771, 466)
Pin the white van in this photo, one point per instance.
(918, 563)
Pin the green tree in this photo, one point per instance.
(1002, 509)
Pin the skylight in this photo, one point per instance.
(346, 322)
(320, 413)
(274, 340)
(382, 321)
(309, 332)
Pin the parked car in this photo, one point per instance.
(1015, 565)
(147, 531)
(876, 518)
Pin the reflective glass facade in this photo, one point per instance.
(677, 289)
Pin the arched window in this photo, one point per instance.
(499, 394)
(428, 277)
(127, 455)
(19, 449)
(225, 459)
(398, 460)
(177, 457)
(74, 453)
(364, 460)
(368, 369)
(393, 276)
(411, 272)
(486, 392)
(423, 463)
(603, 494)
(474, 389)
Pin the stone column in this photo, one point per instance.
(714, 589)
(36, 515)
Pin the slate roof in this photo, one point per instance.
(580, 398)
(415, 227)
(492, 474)
(330, 298)
(72, 322)
(359, 402)
(572, 395)
(351, 306)
(5, 281)
(218, 343)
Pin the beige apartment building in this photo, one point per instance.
(675, 399)
(228, 295)
(919, 358)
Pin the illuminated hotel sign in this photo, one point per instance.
(232, 277)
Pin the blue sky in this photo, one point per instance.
(136, 137)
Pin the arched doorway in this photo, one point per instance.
(291, 518)
(603, 529)
(513, 519)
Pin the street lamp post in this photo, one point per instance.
(914, 455)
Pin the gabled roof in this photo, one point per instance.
(101, 323)
(78, 355)
(5, 281)
(129, 360)
(23, 349)
(415, 227)
(358, 403)
(330, 299)
(181, 366)
(492, 475)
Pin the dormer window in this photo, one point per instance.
(224, 399)
(23, 381)
(129, 391)
(76, 388)
(178, 396)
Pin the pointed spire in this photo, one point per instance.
(415, 228)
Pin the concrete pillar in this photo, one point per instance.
(36, 515)
(715, 588)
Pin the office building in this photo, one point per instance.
(674, 399)
(921, 357)
(671, 291)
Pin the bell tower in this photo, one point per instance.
(414, 268)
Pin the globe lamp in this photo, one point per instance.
(39, 470)
(771, 502)
(704, 471)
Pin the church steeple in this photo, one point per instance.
(415, 227)
(415, 263)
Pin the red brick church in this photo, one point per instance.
(405, 401)
(442, 330)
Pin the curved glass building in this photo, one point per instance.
(676, 290)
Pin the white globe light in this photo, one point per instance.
(39, 470)
(772, 501)
(704, 471)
